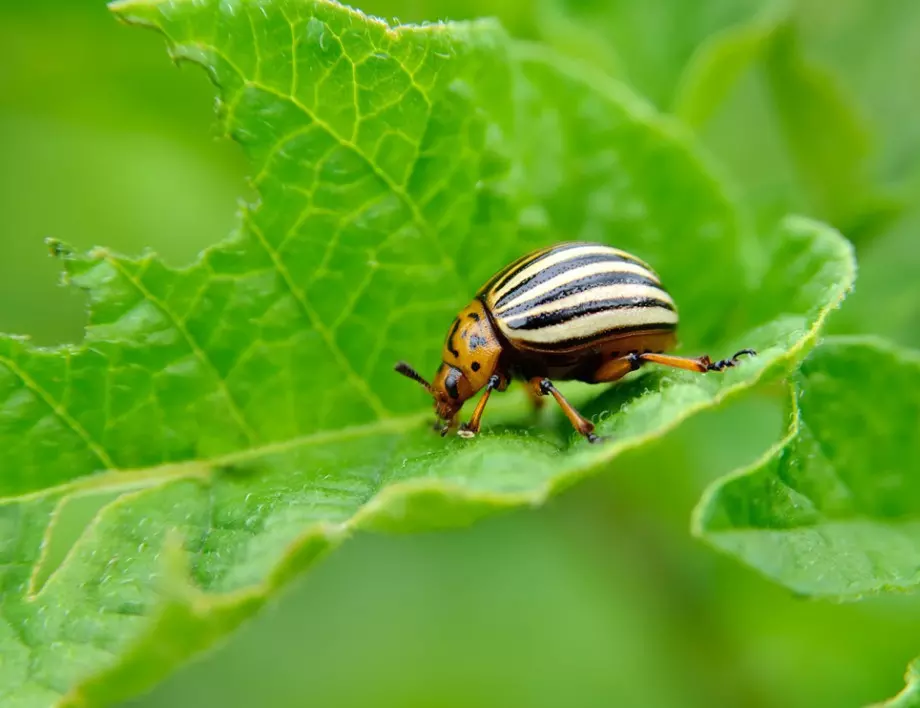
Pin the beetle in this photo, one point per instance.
(572, 311)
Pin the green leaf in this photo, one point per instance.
(224, 425)
(886, 302)
(820, 127)
(549, 21)
(833, 509)
(828, 141)
(718, 63)
(655, 40)
(804, 143)
(816, 126)
(869, 47)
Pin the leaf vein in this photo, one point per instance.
(359, 384)
(193, 345)
(417, 216)
(60, 411)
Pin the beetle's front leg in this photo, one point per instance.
(544, 387)
(469, 430)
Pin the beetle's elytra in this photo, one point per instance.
(574, 311)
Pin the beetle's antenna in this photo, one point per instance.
(406, 370)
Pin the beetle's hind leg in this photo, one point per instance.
(618, 368)
(541, 386)
(701, 364)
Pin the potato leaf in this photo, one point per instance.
(833, 509)
(224, 425)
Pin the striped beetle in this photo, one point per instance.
(574, 311)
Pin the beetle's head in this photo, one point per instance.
(470, 356)
(450, 389)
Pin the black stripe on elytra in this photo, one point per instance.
(566, 314)
(589, 282)
(501, 279)
(450, 338)
(508, 270)
(541, 276)
(575, 342)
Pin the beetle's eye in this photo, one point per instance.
(451, 381)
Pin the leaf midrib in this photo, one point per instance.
(114, 478)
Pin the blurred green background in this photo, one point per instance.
(602, 598)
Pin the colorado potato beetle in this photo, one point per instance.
(573, 311)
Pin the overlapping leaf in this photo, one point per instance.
(799, 107)
(231, 421)
(833, 509)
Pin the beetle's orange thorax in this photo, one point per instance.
(472, 345)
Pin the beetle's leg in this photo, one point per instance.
(543, 386)
(616, 368)
(468, 430)
(702, 364)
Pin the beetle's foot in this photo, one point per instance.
(728, 363)
(596, 439)
(466, 432)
